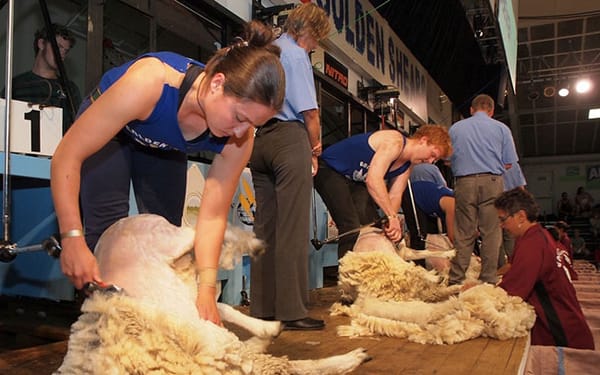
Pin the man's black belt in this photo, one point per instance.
(267, 124)
(272, 121)
(478, 175)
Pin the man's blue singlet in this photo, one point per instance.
(352, 156)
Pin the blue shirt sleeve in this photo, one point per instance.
(509, 152)
(300, 93)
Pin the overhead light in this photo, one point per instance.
(594, 113)
(549, 91)
(478, 24)
(583, 86)
(563, 92)
(533, 95)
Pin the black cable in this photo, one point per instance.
(64, 81)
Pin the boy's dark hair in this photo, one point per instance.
(59, 30)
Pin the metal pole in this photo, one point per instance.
(414, 209)
(8, 86)
(62, 73)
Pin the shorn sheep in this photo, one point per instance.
(386, 295)
(152, 325)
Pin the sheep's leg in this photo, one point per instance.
(257, 327)
(258, 344)
(339, 364)
(410, 254)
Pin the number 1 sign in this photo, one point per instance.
(33, 129)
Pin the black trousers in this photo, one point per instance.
(158, 179)
(281, 174)
(348, 201)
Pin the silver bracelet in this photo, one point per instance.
(72, 233)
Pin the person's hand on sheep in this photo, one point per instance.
(206, 303)
(78, 262)
(469, 284)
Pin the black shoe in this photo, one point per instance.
(306, 324)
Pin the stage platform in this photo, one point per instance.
(34, 337)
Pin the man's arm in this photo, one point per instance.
(447, 204)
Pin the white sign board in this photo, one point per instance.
(33, 129)
(365, 37)
(193, 196)
(244, 203)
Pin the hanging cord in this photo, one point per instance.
(414, 209)
(315, 240)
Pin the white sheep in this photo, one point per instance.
(386, 276)
(373, 239)
(484, 310)
(153, 325)
(393, 297)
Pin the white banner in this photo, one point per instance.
(33, 129)
(365, 37)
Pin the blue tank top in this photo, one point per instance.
(161, 129)
(352, 156)
(427, 197)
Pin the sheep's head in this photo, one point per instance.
(239, 242)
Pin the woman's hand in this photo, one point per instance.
(206, 303)
(469, 284)
(78, 262)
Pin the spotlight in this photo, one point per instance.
(563, 92)
(533, 95)
(583, 86)
(549, 91)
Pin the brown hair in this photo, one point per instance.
(517, 199)
(438, 136)
(251, 67)
(59, 30)
(483, 102)
(308, 18)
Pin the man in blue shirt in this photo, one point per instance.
(484, 150)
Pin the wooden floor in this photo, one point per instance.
(398, 356)
(34, 335)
